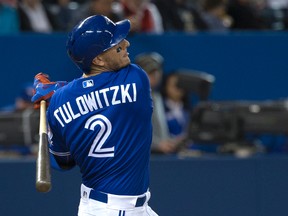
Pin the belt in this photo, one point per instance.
(103, 197)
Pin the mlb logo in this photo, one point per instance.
(87, 83)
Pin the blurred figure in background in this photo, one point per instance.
(64, 13)
(245, 15)
(176, 103)
(215, 15)
(22, 101)
(143, 15)
(179, 15)
(9, 21)
(36, 17)
(162, 142)
(273, 13)
(19, 125)
(97, 7)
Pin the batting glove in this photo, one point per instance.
(44, 89)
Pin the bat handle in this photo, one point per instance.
(43, 173)
(43, 122)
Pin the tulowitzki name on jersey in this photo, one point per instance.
(96, 100)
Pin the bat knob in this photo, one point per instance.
(43, 186)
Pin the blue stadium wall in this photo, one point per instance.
(206, 186)
(246, 65)
(250, 66)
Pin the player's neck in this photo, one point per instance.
(95, 70)
(94, 73)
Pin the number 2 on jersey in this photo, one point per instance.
(97, 149)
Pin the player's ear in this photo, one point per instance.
(98, 61)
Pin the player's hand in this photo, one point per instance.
(44, 89)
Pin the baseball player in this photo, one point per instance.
(101, 121)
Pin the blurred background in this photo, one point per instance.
(219, 69)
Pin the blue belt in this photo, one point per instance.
(102, 197)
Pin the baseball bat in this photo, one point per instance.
(43, 170)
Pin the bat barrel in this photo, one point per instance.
(43, 173)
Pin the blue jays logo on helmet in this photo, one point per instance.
(93, 36)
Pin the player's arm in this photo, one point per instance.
(43, 90)
(60, 156)
(61, 163)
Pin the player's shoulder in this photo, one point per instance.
(138, 73)
(60, 94)
(136, 69)
(62, 89)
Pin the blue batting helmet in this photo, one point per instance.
(93, 36)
